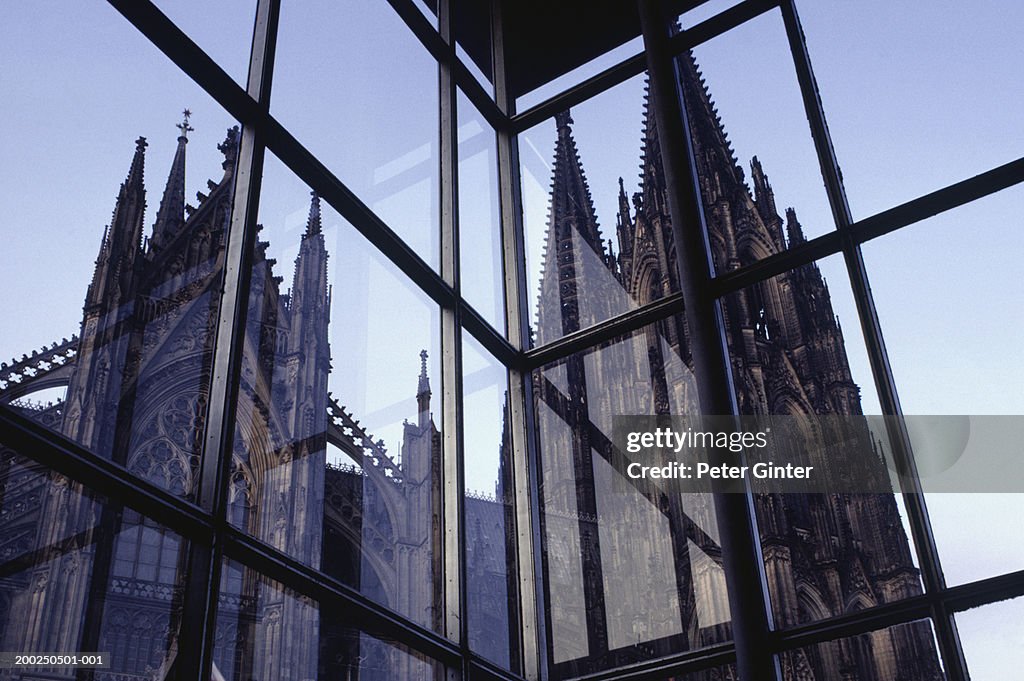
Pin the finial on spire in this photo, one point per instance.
(313, 225)
(141, 143)
(424, 382)
(563, 119)
(184, 126)
(423, 393)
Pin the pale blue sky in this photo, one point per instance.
(917, 94)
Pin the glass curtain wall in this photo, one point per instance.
(349, 413)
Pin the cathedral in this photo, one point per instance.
(630, 573)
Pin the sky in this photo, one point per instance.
(917, 95)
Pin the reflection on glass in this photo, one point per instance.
(490, 534)
(953, 338)
(586, 275)
(78, 574)
(379, 135)
(633, 571)
(580, 278)
(991, 638)
(337, 454)
(268, 632)
(824, 555)
(135, 378)
(111, 292)
(905, 651)
(479, 223)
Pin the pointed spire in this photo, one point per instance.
(793, 229)
(423, 393)
(571, 196)
(424, 382)
(313, 225)
(572, 222)
(310, 297)
(171, 215)
(121, 239)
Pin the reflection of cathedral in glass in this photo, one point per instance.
(630, 573)
(137, 380)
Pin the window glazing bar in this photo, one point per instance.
(363, 613)
(748, 602)
(195, 655)
(920, 525)
(102, 476)
(632, 66)
(438, 47)
(453, 474)
(524, 455)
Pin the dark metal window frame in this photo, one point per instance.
(212, 538)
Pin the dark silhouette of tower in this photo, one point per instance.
(824, 554)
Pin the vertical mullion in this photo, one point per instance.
(885, 382)
(455, 602)
(197, 642)
(747, 593)
(524, 455)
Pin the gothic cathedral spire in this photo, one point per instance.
(171, 216)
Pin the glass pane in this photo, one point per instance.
(572, 177)
(337, 453)
(905, 86)
(992, 640)
(490, 511)
(479, 221)
(474, 68)
(222, 29)
(905, 651)
(266, 631)
(357, 88)
(954, 342)
(81, 574)
(112, 270)
(632, 570)
(825, 554)
(766, 134)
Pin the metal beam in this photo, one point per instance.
(748, 598)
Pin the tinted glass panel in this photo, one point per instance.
(267, 631)
(760, 179)
(991, 639)
(115, 224)
(632, 571)
(579, 178)
(337, 452)
(376, 128)
(906, 651)
(479, 220)
(492, 587)
(81, 574)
